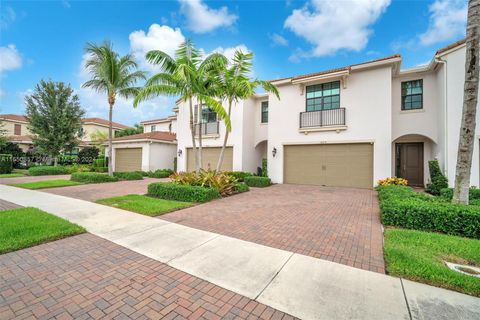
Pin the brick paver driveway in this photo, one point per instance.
(33, 179)
(336, 224)
(86, 277)
(5, 205)
(92, 192)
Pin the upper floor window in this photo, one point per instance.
(208, 115)
(153, 128)
(17, 129)
(264, 111)
(323, 96)
(412, 95)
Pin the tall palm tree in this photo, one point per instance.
(184, 75)
(235, 84)
(114, 75)
(470, 99)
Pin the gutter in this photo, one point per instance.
(444, 62)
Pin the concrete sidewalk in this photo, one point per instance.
(302, 286)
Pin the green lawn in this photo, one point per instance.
(143, 204)
(26, 227)
(419, 256)
(46, 184)
(11, 175)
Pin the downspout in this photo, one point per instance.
(445, 96)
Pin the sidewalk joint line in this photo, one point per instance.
(406, 300)
(276, 274)
(196, 247)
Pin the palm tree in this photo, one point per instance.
(470, 98)
(184, 75)
(235, 84)
(113, 75)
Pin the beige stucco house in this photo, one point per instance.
(16, 127)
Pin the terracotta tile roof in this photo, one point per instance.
(337, 69)
(156, 135)
(104, 122)
(14, 117)
(167, 119)
(450, 46)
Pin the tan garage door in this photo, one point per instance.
(210, 159)
(340, 165)
(128, 159)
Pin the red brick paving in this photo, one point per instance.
(86, 277)
(336, 224)
(5, 205)
(92, 192)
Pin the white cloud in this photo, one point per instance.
(279, 40)
(448, 19)
(202, 19)
(158, 37)
(10, 58)
(7, 17)
(230, 51)
(335, 25)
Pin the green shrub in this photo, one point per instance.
(239, 175)
(100, 169)
(128, 175)
(88, 155)
(67, 159)
(160, 173)
(47, 170)
(447, 194)
(78, 168)
(99, 163)
(403, 207)
(264, 168)
(241, 187)
(259, 182)
(438, 180)
(172, 191)
(6, 163)
(92, 177)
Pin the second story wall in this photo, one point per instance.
(15, 128)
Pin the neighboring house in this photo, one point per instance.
(16, 127)
(348, 126)
(147, 151)
(168, 124)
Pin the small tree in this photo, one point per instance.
(54, 115)
(137, 128)
(99, 139)
(3, 134)
(87, 155)
(470, 98)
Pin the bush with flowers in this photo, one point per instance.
(393, 181)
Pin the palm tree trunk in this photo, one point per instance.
(110, 136)
(470, 97)
(192, 131)
(222, 152)
(199, 120)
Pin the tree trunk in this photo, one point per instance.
(222, 152)
(470, 96)
(192, 131)
(110, 137)
(199, 121)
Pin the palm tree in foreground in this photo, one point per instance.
(234, 84)
(184, 75)
(113, 75)
(470, 98)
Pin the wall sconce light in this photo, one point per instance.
(274, 152)
(179, 152)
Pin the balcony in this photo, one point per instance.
(323, 119)
(207, 128)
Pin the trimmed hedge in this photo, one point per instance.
(403, 207)
(239, 175)
(128, 175)
(47, 170)
(92, 177)
(160, 173)
(241, 187)
(178, 192)
(6, 163)
(258, 182)
(447, 194)
(439, 181)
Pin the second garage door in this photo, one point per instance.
(128, 159)
(210, 159)
(339, 165)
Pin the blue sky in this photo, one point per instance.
(46, 39)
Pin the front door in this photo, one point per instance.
(409, 162)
